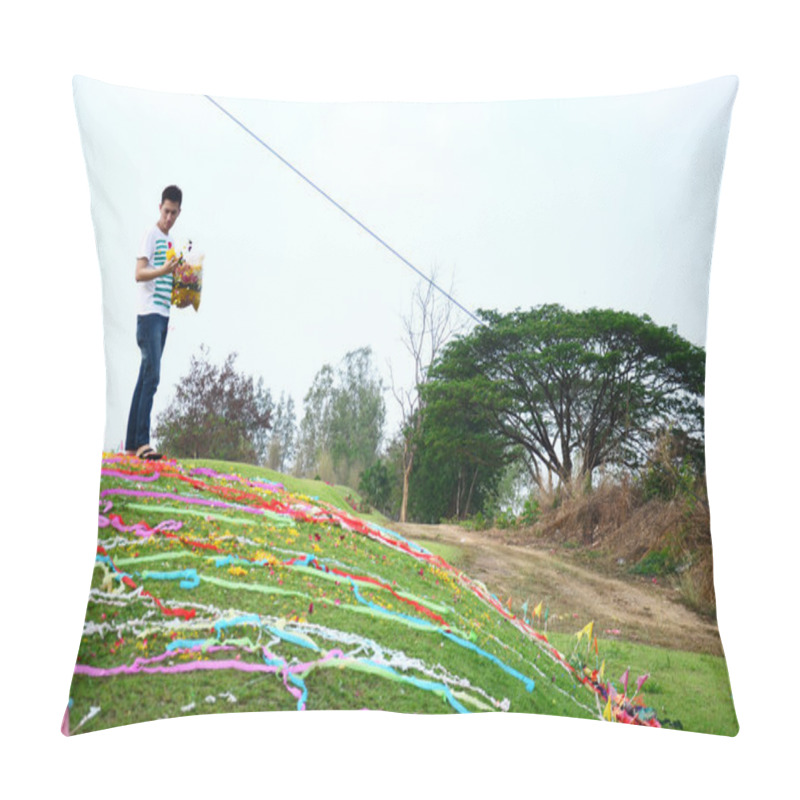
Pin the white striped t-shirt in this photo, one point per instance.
(155, 296)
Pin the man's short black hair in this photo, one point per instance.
(172, 193)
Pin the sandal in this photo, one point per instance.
(148, 454)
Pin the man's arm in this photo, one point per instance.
(144, 273)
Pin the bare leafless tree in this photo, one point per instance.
(426, 329)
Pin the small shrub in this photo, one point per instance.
(376, 485)
(505, 519)
(477, 522)
(656, 562)
(674, 465)
(530, 513)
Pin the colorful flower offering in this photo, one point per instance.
(187, 279)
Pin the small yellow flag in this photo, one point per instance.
(587, 629)
(537, 612)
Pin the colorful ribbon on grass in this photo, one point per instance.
(281, 504)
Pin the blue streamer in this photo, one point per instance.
(188, 643)
(244, 619)
(281, 663)
(299, 682)
(416, 620)
(118, 573)
(395, 535)
(188, 577)
(529, 683)
(288, 637)
(254, 619)
(233, 560)
(429, 686)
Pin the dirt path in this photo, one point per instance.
(641, 611)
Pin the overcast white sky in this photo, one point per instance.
(606, 202)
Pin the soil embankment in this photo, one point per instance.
(639, 609)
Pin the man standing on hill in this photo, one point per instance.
(154, 276)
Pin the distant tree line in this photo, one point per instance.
(218, 412)
(341, 431)
(548, 393)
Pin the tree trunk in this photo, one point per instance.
(406, 476)
(471, 489)
(404, 504)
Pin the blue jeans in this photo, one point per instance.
(151, 335)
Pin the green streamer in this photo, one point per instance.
(251, 587)
(192, 512)
(167, 555)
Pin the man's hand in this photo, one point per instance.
(172, 264)
(144, 273)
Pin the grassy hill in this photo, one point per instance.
(224, 587)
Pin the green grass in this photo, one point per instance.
(451, 553)
(656, 562)
(368, 622)
(327, 493)
(688, 690)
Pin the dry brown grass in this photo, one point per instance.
(616, 520)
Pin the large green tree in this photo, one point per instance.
(575, 390)
(460, 458)
(216, 412)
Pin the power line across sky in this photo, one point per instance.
(344, 210)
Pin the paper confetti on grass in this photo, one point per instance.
(212, 584)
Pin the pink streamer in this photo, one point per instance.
(141, 665)
(181, 499)
(113, 473)
(139, 528)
